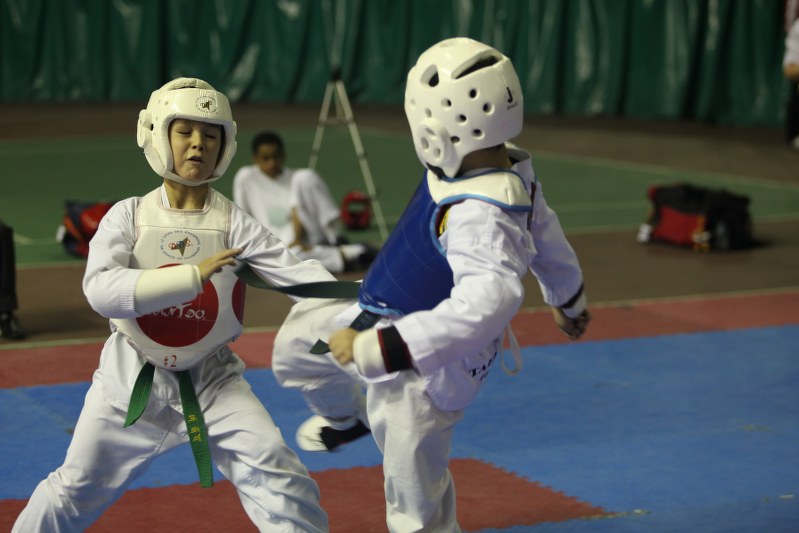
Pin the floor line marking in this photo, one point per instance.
(51, 343)
(667, 170)
(524, 310)
(681, 298)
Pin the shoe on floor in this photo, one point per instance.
(360, 261)
(9, 327)
(316, 435)
(368, 256)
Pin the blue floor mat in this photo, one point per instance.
(670, 432)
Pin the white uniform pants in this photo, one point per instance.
(411, 432)
(104, 458)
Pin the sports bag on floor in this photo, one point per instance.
(697, 217)
(80, 224)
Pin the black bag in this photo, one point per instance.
(699, 218)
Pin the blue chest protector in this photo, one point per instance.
(411, 272)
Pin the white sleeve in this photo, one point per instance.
(108, 283)
(112, 288)
(268, 255)
(554, 263)
(158, 288)
(487, 249)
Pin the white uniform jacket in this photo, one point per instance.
(110, 287)
(489, 250)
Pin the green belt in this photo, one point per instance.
(319, 289)
(363, 321)
(195, 423)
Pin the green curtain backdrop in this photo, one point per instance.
(707, 60)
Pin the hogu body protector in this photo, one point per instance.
(179, 337)
(411, 272)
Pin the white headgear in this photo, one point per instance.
(461, 96)
(188, 98)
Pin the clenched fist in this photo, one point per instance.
(572, 327)
(341, 345)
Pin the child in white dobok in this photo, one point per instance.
(161, 269)
(441, 291)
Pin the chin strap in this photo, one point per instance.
(171, 176)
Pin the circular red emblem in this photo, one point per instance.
(184, 324)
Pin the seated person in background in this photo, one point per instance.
(296, 205)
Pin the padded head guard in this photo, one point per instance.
(356, 210)
(461, 96)
(188, 98)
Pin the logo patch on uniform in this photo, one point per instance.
(206, 104)
(180, 245)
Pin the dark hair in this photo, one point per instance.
(267, 137)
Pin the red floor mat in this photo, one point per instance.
(75, 363)
(488, 497)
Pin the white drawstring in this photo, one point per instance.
(515, 351)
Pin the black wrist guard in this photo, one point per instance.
(395, 352)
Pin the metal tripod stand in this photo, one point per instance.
(336, 92)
